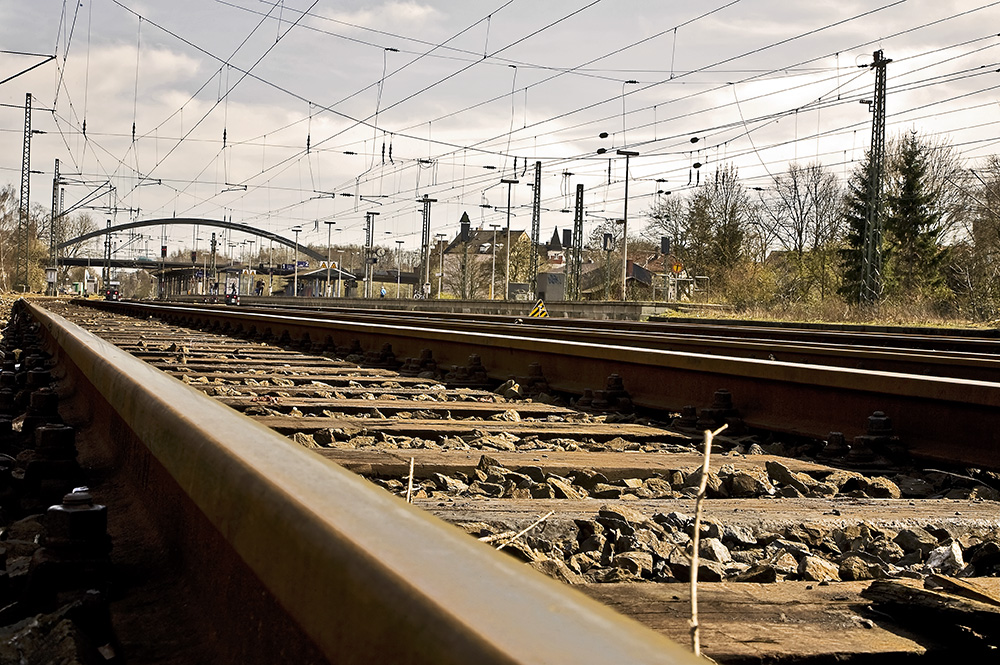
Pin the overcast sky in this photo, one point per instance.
(298, 113)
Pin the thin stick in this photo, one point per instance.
(497, 536)
(409, 484)
(695, 539)
(526, 529)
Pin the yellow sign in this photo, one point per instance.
(677, 267)
(538, 311)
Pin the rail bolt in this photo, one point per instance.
(56, 441)
(8, 378)
(44, 402)
(836, 445)
(77, 523)
(7, 401)
(879, 424)
(39, 377)
(688, 418)
(723, 400)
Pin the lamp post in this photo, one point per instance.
(506, 250)
(493, 270)
(295, 282)
(440, 238)
(627, 154)
(329, 259)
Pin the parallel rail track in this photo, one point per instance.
(338, 569)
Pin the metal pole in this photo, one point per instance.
(536, 217)
(329, 258)
(21, 261)
(52, 226)
(370, 251)
(295, 283)
(627, 154)
(506, 271)
(399, 264)
(493, 270)
(871, 267)
(440, 238)
(425, 258)
(340, 275)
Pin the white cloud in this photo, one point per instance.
(388, 16)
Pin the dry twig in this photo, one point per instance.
(695, 540)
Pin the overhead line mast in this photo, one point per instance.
(871, 266)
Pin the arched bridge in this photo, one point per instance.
(194, 221)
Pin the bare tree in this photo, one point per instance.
(802, 214)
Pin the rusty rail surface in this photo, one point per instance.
(959, 340)
(977, 359)
(937, 418)
(361, 574)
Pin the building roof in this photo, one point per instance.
(481, 240)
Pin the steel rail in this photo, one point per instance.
(365, 576)
(962, 365)
(939, 418)
(961, 340)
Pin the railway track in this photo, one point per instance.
(943, 418)
(287, 532)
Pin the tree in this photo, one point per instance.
(974, 266)
(802, 215)
(855, 212)
(915, 261)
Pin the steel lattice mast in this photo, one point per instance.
(23, 249)
(536, 228)
(576, 248)
(871, 267)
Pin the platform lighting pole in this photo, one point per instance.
(493, 270)
(329, 258)
(506, 272)
(627, 154)
(440, 238)
(295, 282)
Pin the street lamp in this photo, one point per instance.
(627, 154)
(493, 270)
(506, 273)
(399, 264)
(295, 282)
(329, 259)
